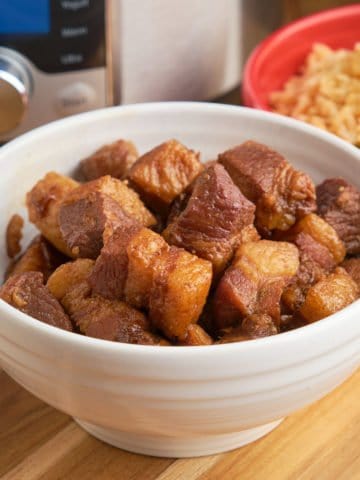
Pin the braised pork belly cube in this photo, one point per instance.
(164, 173)
(195, 336)
(127, 199)
(108, 319)
(352, 266)
(255, 281)
(181, 283)
(320, 250)
(87, 222)
(253, 326)
(14, 235)
(43, 204)
(339, 204)
(142, 252)
(281, 194)
(215, 215)
(39, 256)
(329, 295)
(27, 293)
(259, 325)
(110, 272)
(114, 159)
(68, 275)
(137, 265)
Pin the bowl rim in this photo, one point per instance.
(82, 341)
(249, 93)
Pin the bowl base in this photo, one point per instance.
(164, 446)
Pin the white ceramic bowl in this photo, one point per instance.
(175, 401)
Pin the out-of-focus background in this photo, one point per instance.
(62, 57)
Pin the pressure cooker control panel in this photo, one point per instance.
(53, 61)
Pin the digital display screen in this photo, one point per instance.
(23, 17)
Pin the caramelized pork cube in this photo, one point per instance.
(27, 293)
(322, 232)
(352, 266)
(181, 282)
(68, 275)
(255, 281)
(40, 256)
(281, 194)
(142, 251)
(215, 215)
(315, 263)
(195, 336)
(259, 325)
(114, 159)
(111, 267)
(119, 192)
(328, 296)
(14, 235)
(320, 251)
(86, 223)
(43, 203)
(339, 204)
(107, 319)
(163, 173)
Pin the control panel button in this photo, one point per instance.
(74, 5)
(74, 32)
(75, 98)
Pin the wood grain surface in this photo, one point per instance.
(321, 442)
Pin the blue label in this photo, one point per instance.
(24, 17)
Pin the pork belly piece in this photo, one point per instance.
(27, 293)
(195, 336)
(181, 282)
(253, 326)
(211, 224)
(43, 204)
(352, 266)
(328, 296)
(259, 325)
(339, 204)
(104, 188)
(111, 267)
(161, 174)
(108, 319)
(87, 222)
(255, 281)
(281, 194)
(68, 275)
(40, 256)
(142, 252)
(14, 235)
(322, 232)
(114, 159)
(320, 251)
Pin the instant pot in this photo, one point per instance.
(61, 57)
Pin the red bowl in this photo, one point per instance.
(281, 54)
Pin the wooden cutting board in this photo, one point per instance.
(321, 442)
